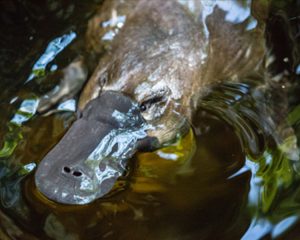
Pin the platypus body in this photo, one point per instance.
(148, 82)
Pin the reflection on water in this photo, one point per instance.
(54, 48)
(231, 177)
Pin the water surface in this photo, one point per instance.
(227, 179)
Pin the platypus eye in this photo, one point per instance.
(145, 105)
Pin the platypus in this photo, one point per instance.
(145, 87)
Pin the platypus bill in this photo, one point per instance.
(144, 90)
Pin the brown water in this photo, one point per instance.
(213, 184)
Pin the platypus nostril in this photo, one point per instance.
(66, 170)
(77, 173)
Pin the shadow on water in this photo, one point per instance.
(231, 177)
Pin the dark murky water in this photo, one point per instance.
(229, 181)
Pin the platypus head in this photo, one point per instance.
(139, 97)
(93, 153)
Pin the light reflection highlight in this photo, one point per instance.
(53, 48)
(114, 25)
(284, 225)
(69, 105)
(298, 70)
(258, 229)
(235, 12)
(26, 111)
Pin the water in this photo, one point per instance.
(231, 179)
